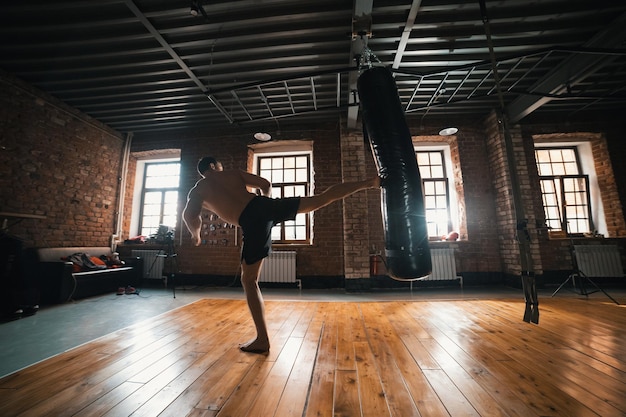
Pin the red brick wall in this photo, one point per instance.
(479, 249)
(57, 162)
(506, 214)
(555, 253)
(356, 245)
(613, 209)
(323, 258)
(128, 199)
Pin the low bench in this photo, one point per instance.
(59, 281)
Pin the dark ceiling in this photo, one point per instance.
(148, 65)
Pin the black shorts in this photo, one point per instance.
(257, 220)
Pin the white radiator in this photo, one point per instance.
(280, 267)
(444, 266)
(152, 264)
(599, 260)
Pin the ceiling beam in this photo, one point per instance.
(406, 33)
(570, 72)
(168, 48)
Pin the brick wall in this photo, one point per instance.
(613, 209)
(57, 162)
(129, 185)
(479, 249)
(230, 146)
(325, 257)
(356, 245)
(488, 229)
(555, 253)
(507, 215)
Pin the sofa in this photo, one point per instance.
(59, 280)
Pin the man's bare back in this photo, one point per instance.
(225, 193)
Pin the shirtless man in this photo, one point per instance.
(228, 194)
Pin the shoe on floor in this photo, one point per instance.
(131, 290)
(121, 291)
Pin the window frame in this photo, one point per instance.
(163, 191)
(308, 187)
(438, 235)
(561, 192)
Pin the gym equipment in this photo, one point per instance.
(583, 279)
(406, 235)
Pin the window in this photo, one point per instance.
(159, 196)
(436, 196)
(290, 175)
(564, 190)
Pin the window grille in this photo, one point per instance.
(436, 195)
(564, 190)
(290, 176)
(159, 201)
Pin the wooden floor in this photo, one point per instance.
(395, 358)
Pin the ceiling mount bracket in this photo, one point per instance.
(367, 59)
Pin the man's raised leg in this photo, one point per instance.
(334, 193)
(250, 282)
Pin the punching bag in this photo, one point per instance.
(406, 235)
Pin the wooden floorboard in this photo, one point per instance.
(471, 357)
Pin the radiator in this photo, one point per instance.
(444, 266)
(280, 267)
(599, 260)
(152, 264)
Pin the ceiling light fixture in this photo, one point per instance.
(194, 9)
(197, 8)
(263, 137)
(448, 131)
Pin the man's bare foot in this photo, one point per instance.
(256, 346)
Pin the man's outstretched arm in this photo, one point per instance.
(255, 181)
(192, 218)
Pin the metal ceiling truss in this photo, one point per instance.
(519, 75)
(148, 65)
(279, 98)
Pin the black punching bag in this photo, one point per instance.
(406, 234)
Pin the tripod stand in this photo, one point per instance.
(582, 278)
(170, 264)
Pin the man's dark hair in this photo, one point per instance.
(205, 163)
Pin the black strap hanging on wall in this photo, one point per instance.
(531, 313)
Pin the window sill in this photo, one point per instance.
(556, 235)
(292, 245)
